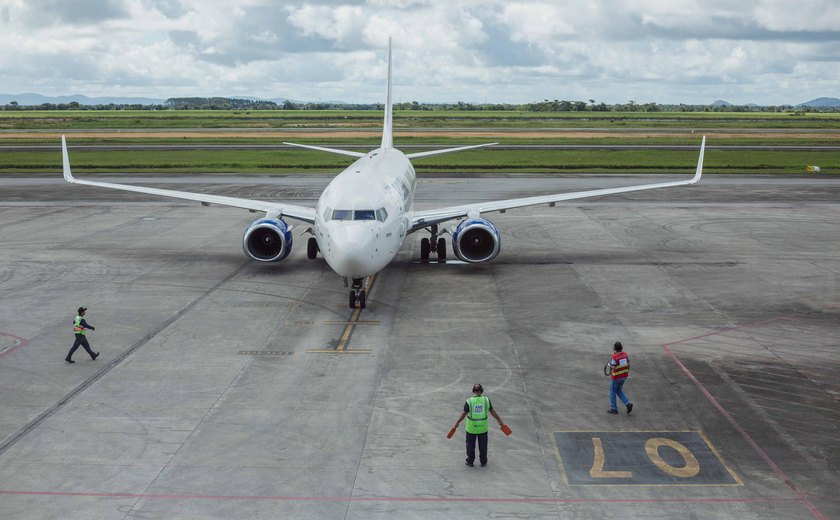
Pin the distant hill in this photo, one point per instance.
(722, 103)
(821, 102)
(38, 99)
(31, 99)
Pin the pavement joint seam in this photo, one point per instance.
(802, 496)
(31, 425)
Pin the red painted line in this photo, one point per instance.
(22, 342)
(802, 497)
(739, 327)
(156, 496)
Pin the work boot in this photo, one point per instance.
(612, 411)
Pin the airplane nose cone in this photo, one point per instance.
(352, 250)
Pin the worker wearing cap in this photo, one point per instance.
(476, 410)
(79, 326)
(619, 370)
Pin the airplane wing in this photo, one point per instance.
(421, 219)
(287, 210)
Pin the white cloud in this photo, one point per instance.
(535, 22)
(768, 51)
(338, 24)
(815, 15)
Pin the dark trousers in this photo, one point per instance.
(482, 447)
(80, 340)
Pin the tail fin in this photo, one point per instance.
(387, 127)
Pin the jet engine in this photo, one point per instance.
(476, 240)
(267, 240)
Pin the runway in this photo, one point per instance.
(231, 389)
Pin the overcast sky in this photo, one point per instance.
(667, 51)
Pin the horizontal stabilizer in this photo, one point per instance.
(329, 150)
(446, 150)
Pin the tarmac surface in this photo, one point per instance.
(232, 389)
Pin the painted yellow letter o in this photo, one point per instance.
(691, 468)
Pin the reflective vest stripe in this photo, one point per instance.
(77, 326)
(621, 369)
(478, 414)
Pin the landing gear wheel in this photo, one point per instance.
(441, 250)
(424, 249)
(352, 299)
(312, 248)
(362, 296)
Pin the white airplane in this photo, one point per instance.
(364, 215)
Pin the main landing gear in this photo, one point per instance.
(357, 293)
(312, 248)
(434, 244)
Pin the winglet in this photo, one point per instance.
(68, 176)
(699, 172)
(387, 127)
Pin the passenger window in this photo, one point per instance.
(364, 214)
(342, 214)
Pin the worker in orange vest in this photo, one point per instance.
(619, 370)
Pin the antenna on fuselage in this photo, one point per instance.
(387, 127)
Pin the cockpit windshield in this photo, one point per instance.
(359, 214)
(342, 214)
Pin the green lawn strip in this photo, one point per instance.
(373, 142)
(168, 119)
(489, 160)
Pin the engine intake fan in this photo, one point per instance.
(476, 240)
(267, 240)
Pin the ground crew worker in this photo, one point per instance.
(476, 410)
(620, 369)
(79, 326)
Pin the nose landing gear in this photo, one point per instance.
(358, 293)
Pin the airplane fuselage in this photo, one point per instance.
(362, 217)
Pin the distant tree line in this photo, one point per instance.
(218, 103)
(222, 103)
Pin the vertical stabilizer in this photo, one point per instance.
(387, 127)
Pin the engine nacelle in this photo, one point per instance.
(476, 240)
(267, 240)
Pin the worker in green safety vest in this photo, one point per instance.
(477, 410)
(79, 326)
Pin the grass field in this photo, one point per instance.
(488, 160)
(51, 120)
(336, 128)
